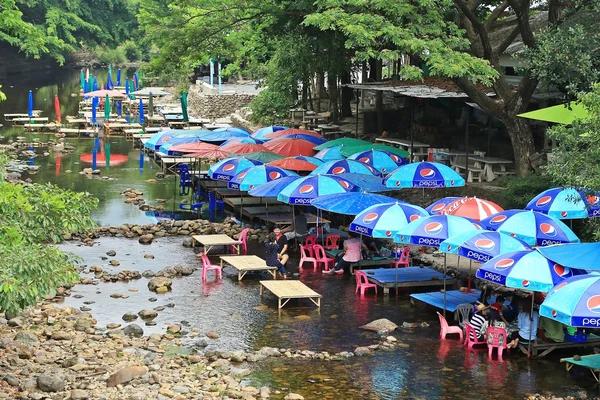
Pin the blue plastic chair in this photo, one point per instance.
(214, 204)
(195, 207)
(185, 180)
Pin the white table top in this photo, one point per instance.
(402, 142)
(214, 240)
(490, 160)
(247, 262)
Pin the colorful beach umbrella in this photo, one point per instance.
(365, 182)
(220, 136)
(233, 129)
(290, 147)
(119, 108)
(103, 159)
(527, 270)
(472, 207)
(306, 189)
(261, 133)
(194, 147)
(560, 114)
(292, 131)
(383, 161)
(57, 107)
(264, 156)
(345, 141)
(30, 104)
(293, 164)
(243, 148)
(141, 109)
(272, 188)
(384, 220)
(423, 175)
(159, 138)
(209, 154)
(166, 146)
(109, 82)
(103, 93)
(480, 245)
(315, 140)
(574, 255)
(574, 302)
(433, 230)
(184, 107)
(94, 107)
(330, 153)
(257, 175)
(349, 150)
(119, 77)
(226, 169)
(438, 205)
(106, 107)
(534, 228)
(337, 167)
(350, 203)
(238, 140)
(562, 203)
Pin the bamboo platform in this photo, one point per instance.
(286, 290)
(249, 201)
(12, 116)
(245, 264)
(24, 120)
(79, 132)
(257, 211)
(51, 127)
(210, 241)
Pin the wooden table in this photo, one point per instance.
(281, 219)
(243, 264)
(286, 290)
(488, 163)
(209, 241)
(419, 149)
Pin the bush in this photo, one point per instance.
(131, 50)
(520, 190)
(270, 106)
(108, 56)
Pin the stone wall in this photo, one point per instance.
(215, 106)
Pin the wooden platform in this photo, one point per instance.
(79, 132)
(540, 349)
(250, 201)
(286, 218)
(24, 120)
(244, 264)
(41, 127)
(258, 211)
(286, 290)
(210, 241)
(11, 116)
(407, 277)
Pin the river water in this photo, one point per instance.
(422, 367)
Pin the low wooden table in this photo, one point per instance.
(287, 289)
(286, 219)
(243, 264)
(210, 241)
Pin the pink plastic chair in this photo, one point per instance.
(404, 259)
(305, 256)
(309, 242)
(362, 283)
(470, 331)
(332, 242)
(496, 338)
(242, 241)
(207, 266)
(446, 329)
(322, 258)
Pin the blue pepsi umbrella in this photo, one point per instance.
(313, 160)
(574, 255)
(227, 168)
(350, 203)
(180, 139)
(222, 136)
(233, 129)
(30, 105)
(381, 160)
(431, 231)
(437, 206)
(119, 108)
(141, 112)
(241, 140)
(160, 138)
(574, 302)
(481, 245)
(95, 84)
(527, 270)
(109, 82)
(127, 86)
(424, 175)
(534, 228)
(384, 220)
(94, 106)
(261, 132)
(330, 153)
(119, 77)
(305, 190)
(272, 188)
(309, 138)
(337, 167)
(365, 183)
(258, 175)
(562, 203)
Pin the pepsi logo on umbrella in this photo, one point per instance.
(228, 167)
(525, 283)
(485, 244)
(242, 175)
(498, 219)
(434, 228)
(504, 264)
(306, 189)
(427, 173)
(338, 170)
(559, 286)
(365, 160)
(388, 233)
(593, 304)
(414, 217)
(345, 184)
(370, 218)
(563, 214)
(395, 158)
(554, 313)
(548, 229)
(561, 271)
(438, 207)
(543, 201)
(274, 175)
(593, 200)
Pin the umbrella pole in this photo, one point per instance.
(293, 218)
(469, 277)
(530, 325)
(444, 285)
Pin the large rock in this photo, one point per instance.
(382, 324)
(26, 338)
(125, 375)
(159, 282)
(146, 239)
(147, 314)
(133, 330)
(187, 242)
(129, 316)
(50, 383)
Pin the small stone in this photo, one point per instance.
(149, 256)
(50, 383)
(146, 239)
(79, 394)
(125, 375)
(213, 335)
(62, 335)
(113, 325)
(114, 263)
(85, 309)
(133, 330)
(362, 351)
(147, 314)
(26, 338)
(15, 322)
(152, 299)
(111, 253)
(174, 328)
(11, 380)
(293, 396)
(129, 316)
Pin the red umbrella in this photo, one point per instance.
(103, 93)
(471, 207)
(293, 164)
(115, 159)
(291, 147)
(291, 131)
(57, 108)
(214, 154)
(243, 148)
(193, 147)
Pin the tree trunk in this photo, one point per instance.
(346, 96)
(522, 141)
(305, 84)
(319, 92)
(333, 97)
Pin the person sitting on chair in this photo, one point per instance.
(479, 322)
(528, 325)
(352, 254)
(282, 242)
(272, 255)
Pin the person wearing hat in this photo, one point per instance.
(479, 322)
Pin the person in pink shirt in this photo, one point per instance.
(352, 253)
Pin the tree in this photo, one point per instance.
(33, 218)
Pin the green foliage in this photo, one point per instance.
(269, 104)
(110, 56)
(33, 218)
(520, 190)
(131, 50)
(576, 158)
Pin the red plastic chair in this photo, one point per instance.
(305, 256)
(207, 266)
(446, 329)
(322, 258)
(309, 242)
(404, 259)
(470, 331)
(496, 338)
(362, 283)
(332, 242)
(242, 241)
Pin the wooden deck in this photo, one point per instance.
(286, 219)
(540, 349)
(244, 264)
(249, 201)
(79, 132)
(210, 241)
(258, 211)
(41, 127)
(286, 290)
